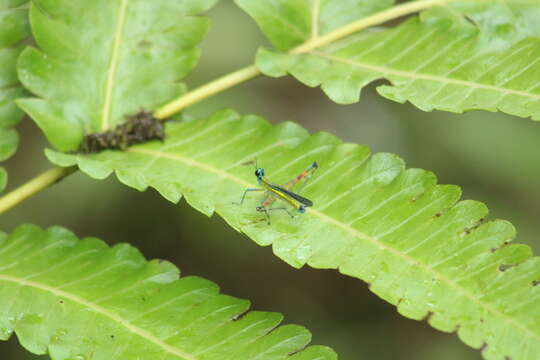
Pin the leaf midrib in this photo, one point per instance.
(356, 233)
(10, 86)
(113, 66)
(315, 19)
(385, 71)
(24, 6)
(101, 310)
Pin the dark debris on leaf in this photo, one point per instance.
(139, 128)
(484, 347)
(475, 226)
(504, 267)
(240, 316)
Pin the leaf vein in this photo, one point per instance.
(315, 19)
(113, 66)
(381, 204)
(412, 46)
(385, 71)
(100, 310)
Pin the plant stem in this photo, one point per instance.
(251, 72)
(34, 186)
(375, 19)
(207, 90)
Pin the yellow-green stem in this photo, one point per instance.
(375, 19)
(34, 186)
(207, 90)
(251, 72)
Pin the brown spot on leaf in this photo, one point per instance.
(504, 267)
(483, 347)
(428, 316)
(240, 316)
(475, 226)
(145, 44)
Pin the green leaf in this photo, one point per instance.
(289, 23)
(418, 246)
(13, 30)
(101, 60)
(471, 56)
(80, 299)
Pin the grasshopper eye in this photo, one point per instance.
(302, 209)
(259, 172)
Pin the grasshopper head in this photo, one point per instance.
(259, 173)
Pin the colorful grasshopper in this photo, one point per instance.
(283, 193)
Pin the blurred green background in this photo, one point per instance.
(493, 157)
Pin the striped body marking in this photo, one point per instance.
(282, 193)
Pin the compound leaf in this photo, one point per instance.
(13, 30)
(289, 23)
(418, 246)
(80, 299)
(471, 55)
(101, 60)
